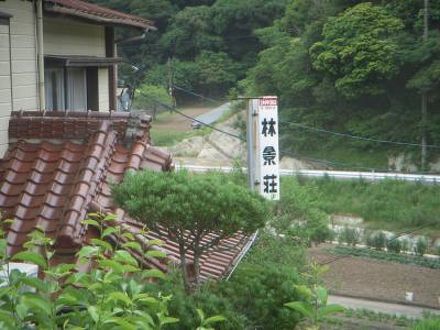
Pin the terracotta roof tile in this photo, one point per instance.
(51, 185)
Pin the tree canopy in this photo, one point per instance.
(195, 205)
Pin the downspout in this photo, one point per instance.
(40, 54)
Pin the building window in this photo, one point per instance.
(73, 89)
(54, 89)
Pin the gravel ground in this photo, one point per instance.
(379, 280)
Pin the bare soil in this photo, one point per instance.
(379, 280)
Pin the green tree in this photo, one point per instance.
(359, 49)
(151, 97)
(207, 207)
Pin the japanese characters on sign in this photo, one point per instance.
(268, 157)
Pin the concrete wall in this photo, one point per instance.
(70, 37)
(103, 89)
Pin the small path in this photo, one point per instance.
(215, 114)
(381, 307)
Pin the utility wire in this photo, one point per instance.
(321, 130)
(198, 121)
(356, 137)
(198, 95)
(208, 125)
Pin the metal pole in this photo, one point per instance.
(40, 45)
(424, 101)
(250, 145)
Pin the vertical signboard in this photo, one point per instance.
(267, 150)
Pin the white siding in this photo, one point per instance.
(5, 87)
(69, 37)
(24, 58)
(103, 89)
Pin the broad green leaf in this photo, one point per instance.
(31, 257)
(201, 314)
(214, 319)
(125, 257)
(93, 313)
(330, 309)
(300, 307)
(110, 230)
(91, 222)
(87, 252)
(144, 298)
(7, 320)
(156, 242)
(156, 254)
(110, 217)
(34, 282)
(121, 322)
(115, 266)
(321, 294)
(168, 320)
(132, 245)
(35, 302)
(128, 236)
(120, 296)
(155, 273)
(103, 244)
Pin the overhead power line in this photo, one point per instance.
(196, 94)
(357, 137)
(207, 125)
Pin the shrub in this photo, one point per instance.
(300, 214)
(429, 323)
(394, 245)
(377, 240)
(260, 292)
(405, 245)
(421, 246)
(350, 236)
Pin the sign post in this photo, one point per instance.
(267, 158)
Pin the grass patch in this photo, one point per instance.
(386, 256)
(389, 204)
(165, 138)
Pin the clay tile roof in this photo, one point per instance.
(59, 167)
(95, 13)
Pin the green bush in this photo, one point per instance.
(299, 215)
(207, 297)
(377, 240)
(394, 245)
(421, 246)
(348, 235)
(260, 292)
(405, 245)
(428, 323)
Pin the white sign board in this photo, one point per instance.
(267, 151)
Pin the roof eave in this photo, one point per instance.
(98, 19)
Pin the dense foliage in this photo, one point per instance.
(353, 66)
(389, 205)
(112, 295)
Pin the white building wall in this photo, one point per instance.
(23, 53)
(103, 89)
(70, 37)
(5, 87)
